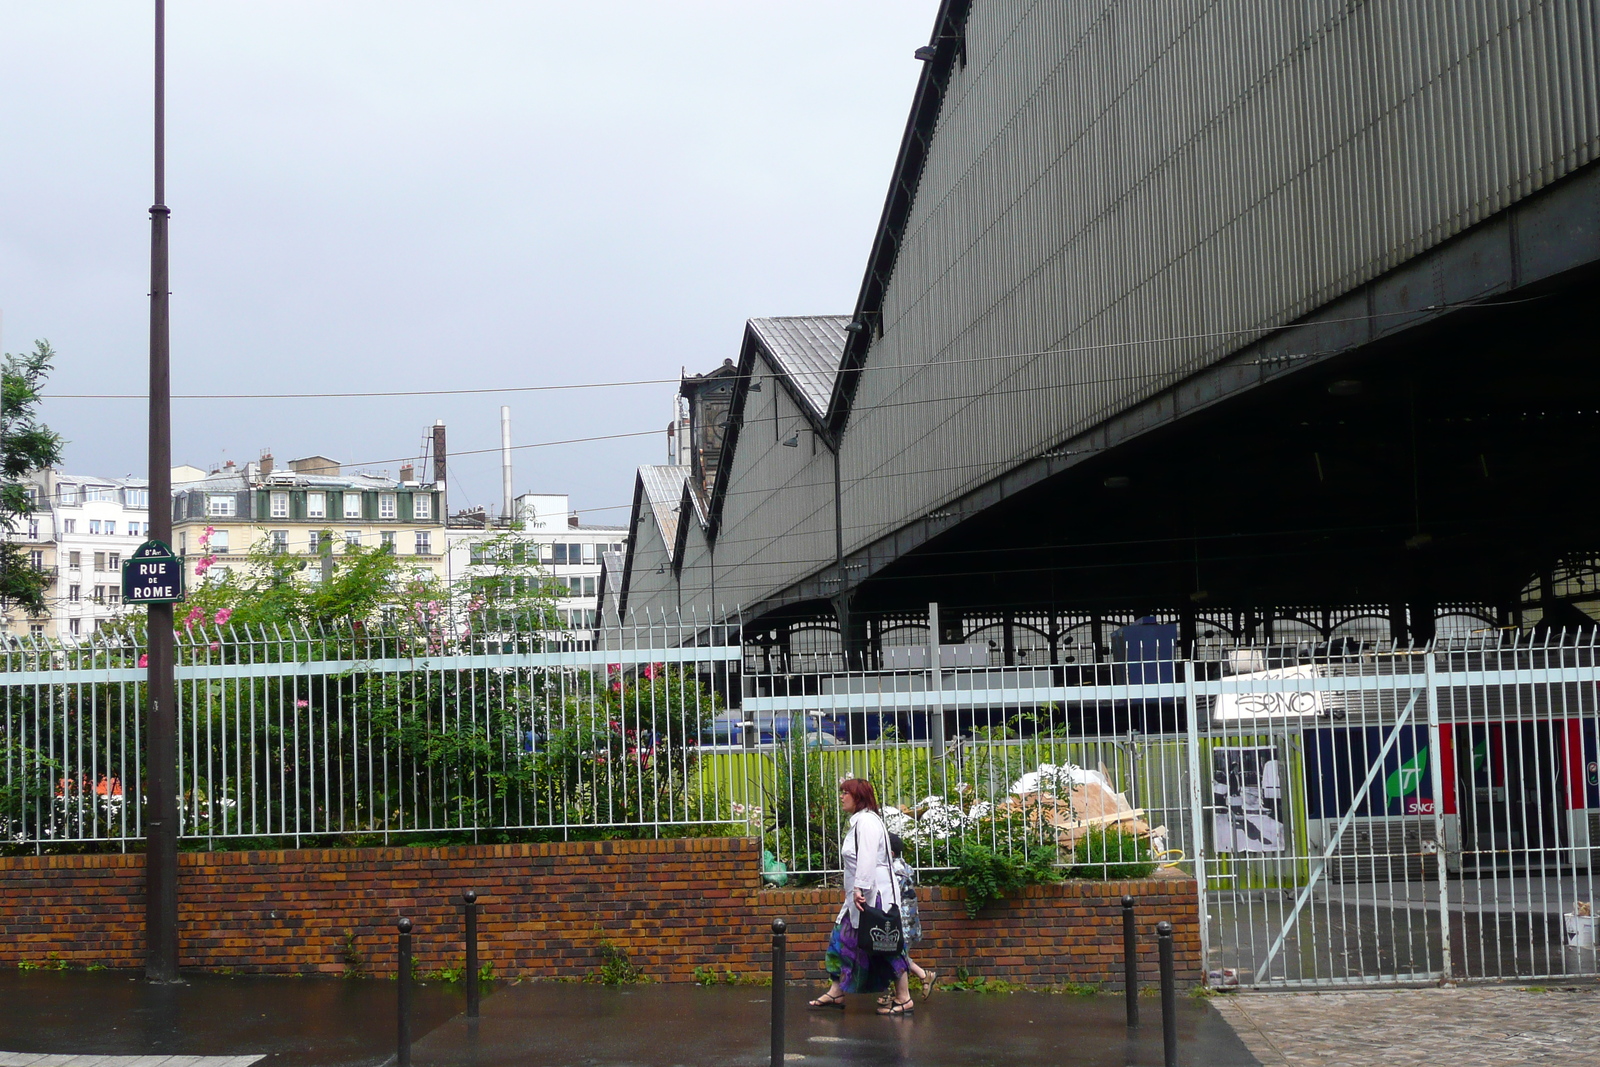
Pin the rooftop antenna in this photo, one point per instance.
(505, 462)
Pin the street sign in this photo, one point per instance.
(152, 575)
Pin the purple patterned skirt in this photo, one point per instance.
(857, 970)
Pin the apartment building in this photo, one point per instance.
(312, 508)
(81, 529)
(566, 549)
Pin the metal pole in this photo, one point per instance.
(779, 958)
(402, 1050)
(1169, 996)
(1198, 792)
(470, 903)
(161, 732)
(1436, 778)
(935, 687)
(1130, 962)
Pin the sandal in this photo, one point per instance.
(827, 1000)
(927, 983)
(899, 1007)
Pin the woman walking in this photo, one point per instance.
(868, 881)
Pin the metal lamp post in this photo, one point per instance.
(161, 728)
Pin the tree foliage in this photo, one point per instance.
(26, 445)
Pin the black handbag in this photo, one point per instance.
(880, 931)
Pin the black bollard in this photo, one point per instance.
(469, 902)
(780, 951)
(1169, 996)
(403, 980)
(1130, 962)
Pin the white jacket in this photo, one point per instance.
(868, 865)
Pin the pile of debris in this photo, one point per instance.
(1071, 801)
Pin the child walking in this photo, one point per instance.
(910, 918)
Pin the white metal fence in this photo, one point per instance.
(1354, 813)
(364, 735)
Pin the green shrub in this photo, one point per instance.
(988, 875)
(1112, 854)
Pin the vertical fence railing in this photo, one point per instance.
(1337, 836)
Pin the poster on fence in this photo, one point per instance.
(1247, 784)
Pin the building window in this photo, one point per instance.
(114, 593)
(99, 594)
(386, 506)
(99, 561)
(588, 587)
(98, 492)
(69, 526)
(352, 538)
(315, 542)
(280, 541)
(36, 559)
(94, 526)
(113, 561)
(74, 560)
(33, 529)
(183, 544)
(421, 506)
(219, 504)
(36, 629)
(352, 505)
(138, 498)
(424, 543)
(559, 551)
(316, 505)
(219, 541)
(314, 573)
(475, 553)
(388, 540)
(69, 494)
(75, 626)
(33, 496)
(72, 594)
(111, 527)
(279, 503)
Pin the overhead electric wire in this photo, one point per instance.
(1071, 350)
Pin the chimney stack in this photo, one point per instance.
(408, 473)
(266, 464)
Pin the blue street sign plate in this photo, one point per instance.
(152, 575)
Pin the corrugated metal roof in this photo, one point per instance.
(808, 347)
(663, 492)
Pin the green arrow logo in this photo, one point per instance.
(1408, 779)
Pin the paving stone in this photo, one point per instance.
(32, 1059)
(1481, 1026)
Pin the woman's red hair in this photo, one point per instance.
(860, 791)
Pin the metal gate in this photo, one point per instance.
(1415, 815)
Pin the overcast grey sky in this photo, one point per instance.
(411, 195)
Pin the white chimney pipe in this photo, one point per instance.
(505, 461)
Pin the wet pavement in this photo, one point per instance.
(289, 1022)
(559, 1025)
(304, 1021)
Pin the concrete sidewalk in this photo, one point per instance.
(560, 1025)
(278, 1022)
(299, 1022)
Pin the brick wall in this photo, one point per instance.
(546, 909)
